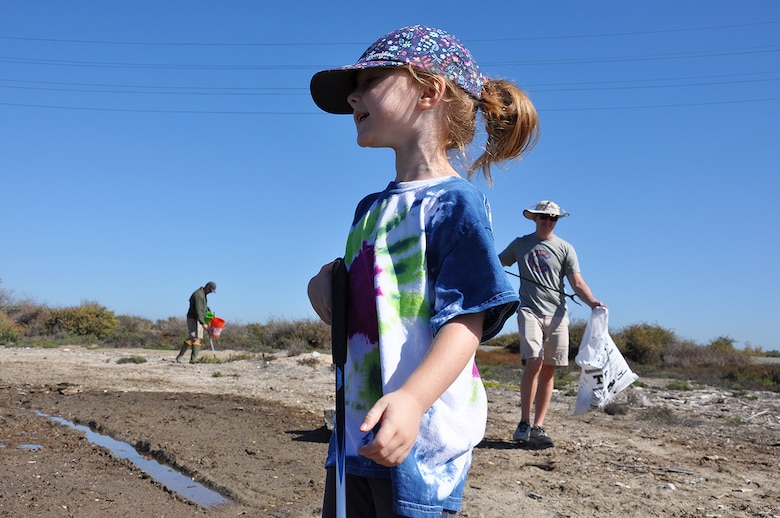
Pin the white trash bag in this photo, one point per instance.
(605, 372)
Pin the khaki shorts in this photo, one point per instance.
(195, 329)
(543, 337)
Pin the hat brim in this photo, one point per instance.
(330, 88)
(528, 213)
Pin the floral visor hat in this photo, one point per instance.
(426, 48)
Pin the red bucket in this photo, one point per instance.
(215, 327)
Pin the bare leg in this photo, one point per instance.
(529, 388)
(544, 392)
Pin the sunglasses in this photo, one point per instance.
(547, 217)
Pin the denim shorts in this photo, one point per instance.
(366, 497)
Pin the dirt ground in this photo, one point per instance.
(253, 431)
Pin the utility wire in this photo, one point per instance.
(245, 112)
(737, 51)
(320, 44)
(236, 91)
(536, 87)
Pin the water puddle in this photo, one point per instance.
(170, 478)
(29, 447)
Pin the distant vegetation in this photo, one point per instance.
(651, 350)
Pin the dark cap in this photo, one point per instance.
(212, 286)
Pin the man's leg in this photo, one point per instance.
(192, 332)
(544, 390)
(531, 338)
(556, 354)
(529, 387)
(182, 351)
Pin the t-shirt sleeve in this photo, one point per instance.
(466, 272)
(572, 263)
(507, 257)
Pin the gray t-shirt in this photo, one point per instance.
(542, 264)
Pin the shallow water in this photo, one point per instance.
(165, 475)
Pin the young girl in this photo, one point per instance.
(425, 283)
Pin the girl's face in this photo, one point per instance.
(384, 107)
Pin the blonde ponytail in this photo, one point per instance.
(511, 123)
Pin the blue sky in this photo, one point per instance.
(148, 147)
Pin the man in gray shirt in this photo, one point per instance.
(543, 260)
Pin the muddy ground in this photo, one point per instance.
(253, 431)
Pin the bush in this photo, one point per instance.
(510, 341)
(722, 343)
(88, 319)
(132, 332)
(131, 324)
(172, 329)
(644, 343)
(131, 359)
(10, 331)
(576, 332)
(687, 354)
(754, 377)
(283, 334)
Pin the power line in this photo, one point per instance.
(284, 113)
(655, 106)
(247, 92)
(319, 44)
(630, 33)
(648, 57)
(168, 66)
(575, 61)
(679, 78)
(534, 86)
(155, 87)
(144, 110)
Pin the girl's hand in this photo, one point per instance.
(400, 414)
(320, 292)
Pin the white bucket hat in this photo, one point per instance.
(545, 207)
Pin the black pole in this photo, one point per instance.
(338, 329)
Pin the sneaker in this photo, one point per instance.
(540, 438)
(522, 433)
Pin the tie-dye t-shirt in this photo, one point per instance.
(418, 254)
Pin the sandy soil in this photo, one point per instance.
(253, 430)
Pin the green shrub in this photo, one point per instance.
(722, 343)
(509, 340)
(132, 324)
(283, 334)
(576, 332)
(564, 378)
(753, 377)
(644, 343)
(131, 359)
(679, 385)
(10, 331)
(88, 319)
(31, 316)
(172, 329)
